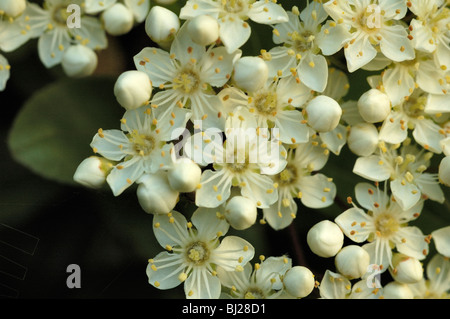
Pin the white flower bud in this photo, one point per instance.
(92, 172)
(324, 113)
(352, 261)
(118, 19)
(299, 281)
(133, 89)
(79, 61)
(161, 25)
(444, 171)
(240, 212)
(250, 73)
(155, 194)
(396, 290)
(203, 29)
(363, 139)
(374, 106)
(13, 8)
(325, 239)
(184, 175)
(406, 270)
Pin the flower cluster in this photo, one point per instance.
(247, 135)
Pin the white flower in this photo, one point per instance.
(161, 25)
(405, 170)
(275, 105)
(386, 225)
(194, 252)
(50, 25)
(132, 89)
(4, 72)
(234, 30)
(405, 269)
(245, 160)
(79, 61)
(92, 172)
(300, 179)
(141, 146)
(325, 239)
(430, 28)
(299, 281)
(186, 76)
(262, 282)
(139, 8)
(437, 283)
(372, 25)
(303, 37)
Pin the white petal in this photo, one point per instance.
(285, 28)
(427, 133)
(91, 34)
(334, 286)
(170, 229)
(332, 38)
(4, 72)
(184, 49)
(393, 131)
(228, 254)
(157, 64)
(167, 270)
(214, 190)
(109, 146)
(313, 72)
(395, 43)
(216, 67)
(194, 8)
(209, 222)
(429, 186)
(398, 84)
(352, 230)
(52, 45)
(96, 6)
(368, 194)
(438, 104)
(119, 179)
(372, 168)
(291, 92)
(140, 8)
(260, 189)
(267, 12)
(291, 128)
(359, 53)
(335, 139)
(317, 191)
(201, 284)
(406, 194)
(279, 216)
(421, 36)
(234, 33)
(380, 253)
(413, 242)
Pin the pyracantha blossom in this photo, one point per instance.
(15, 31)
(337, 286)
(50, 25)
(139, 8)
(141, 146)
(300, 179)
(384, 225)
(410, 115)
(274, 105)
(232, 16)
(186, 75)
(372, 26)
(304, 40)
(263, 281)
(245, 160)
(194, 252)
(405, 169)
(437, 283)
(430, 29)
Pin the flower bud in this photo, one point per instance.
(161, 25)
(396, 290)
(92, 172)
(133, 89)
(13, 8)
(363, 139)
(325, 239)
(155, 194)
(324, 113)
(352, 261)
(79, 61)
(299, 281)
(374, 106)
(444, 171)
(118, 19)
(203, 30)
(250, 73)
(240, 212)
(405, 269)
(184, 175)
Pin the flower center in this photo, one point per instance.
(197, 253)
(386, 225)
(370, 19)
(415, 107)
(143, 144)
(60, 15)
(234, 6)
(266, 103)
(254, 293)
(302, 42)
(187, 81)
(288, 176)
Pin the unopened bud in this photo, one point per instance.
(250, 73)
(240, 212)
(405, 269)
(92, 172)
(13, 8)
(324, 113)
(118, 19)
(133, 89)
(374, 106)
(325, 239)
(352, 261)
(363, 139)
(396, 290)
(184, 175)
(79, 61)
(203, 30)
(155, 194)
(161, 25)
(299, 281)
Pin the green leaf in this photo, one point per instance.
(52, 132)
